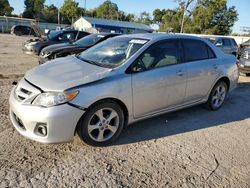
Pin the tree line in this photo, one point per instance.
(190, 16)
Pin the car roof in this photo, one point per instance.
(161, 36)
(219, 37)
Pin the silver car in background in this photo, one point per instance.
(117, 82)
(226, 44)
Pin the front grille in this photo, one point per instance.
(22, 93)
(25, 91)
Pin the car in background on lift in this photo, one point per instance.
(34, 46)
(226, 44)
(64, 49)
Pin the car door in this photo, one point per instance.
(202, 69)
(158, 78)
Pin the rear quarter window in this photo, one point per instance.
(234, 42)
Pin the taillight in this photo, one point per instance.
(237, 63)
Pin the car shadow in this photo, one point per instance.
(196, 118)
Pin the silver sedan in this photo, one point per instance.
(117, 82)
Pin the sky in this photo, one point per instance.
(137, 6)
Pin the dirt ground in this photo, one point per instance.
(190, 148)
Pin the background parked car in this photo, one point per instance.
(244, 65)
(64, 49)
(34, 46)
(226, 44)
(243, 46)
(22, 30)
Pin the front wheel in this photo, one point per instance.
(101, 124)
(217, 96)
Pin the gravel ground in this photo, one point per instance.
(190, 148)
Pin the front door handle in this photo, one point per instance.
(179, 73)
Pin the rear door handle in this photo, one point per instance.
(179, 73)
(215, 66)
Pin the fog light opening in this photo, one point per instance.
(42, 129)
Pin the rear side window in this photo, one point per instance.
(196, 50)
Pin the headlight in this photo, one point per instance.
(44, 54)
(54, 98)
(241, 65)
(31, 44)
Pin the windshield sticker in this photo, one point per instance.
(138, 41)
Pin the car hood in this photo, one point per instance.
(55, 47)
(39, 32)
(64, 73)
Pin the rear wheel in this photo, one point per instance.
(217, 96)
(101, 124)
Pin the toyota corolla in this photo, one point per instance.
(117, 82)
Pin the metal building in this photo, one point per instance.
(94, 25)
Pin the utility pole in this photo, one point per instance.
(58, 16)
(85, 7)
(183, 18)
(186, 5)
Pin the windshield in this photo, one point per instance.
(89, 40)
(112, 52)
(53, 34)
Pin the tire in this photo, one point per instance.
(95, 128)
(217, 96)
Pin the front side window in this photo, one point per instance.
(159, 55)
(195, 50)
(112, 52)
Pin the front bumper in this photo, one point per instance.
(60, 121)
(244, 69)
(42, 60)
(31, 50)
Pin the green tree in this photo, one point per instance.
(33, 9)
(200, 16)
(214, 17)
(107, 10)
(5, 8)
(144, 18)
(70, 10)
(131, 17)
(50, 14)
